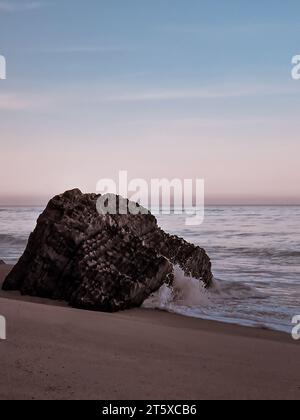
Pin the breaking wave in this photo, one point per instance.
(226, 301)
(190, 293)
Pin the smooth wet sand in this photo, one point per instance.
(56, 352)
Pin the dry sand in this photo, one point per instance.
(56, 352)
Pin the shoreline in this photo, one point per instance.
(44, 301)
(53, 351)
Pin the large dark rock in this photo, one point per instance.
(100, 262)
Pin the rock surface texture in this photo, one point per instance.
(101, 262)
(2, 262)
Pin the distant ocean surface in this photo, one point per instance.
(255, 253)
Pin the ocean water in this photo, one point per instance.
(16, 224)
(255, 253)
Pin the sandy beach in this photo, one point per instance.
(56, 352)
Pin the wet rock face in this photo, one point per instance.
(100, 262)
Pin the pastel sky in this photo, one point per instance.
(161, 88)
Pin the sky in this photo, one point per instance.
(160, 88)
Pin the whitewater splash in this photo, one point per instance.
(221, 302)
(188, 292)
(185, 292)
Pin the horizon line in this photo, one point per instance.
(172, 207)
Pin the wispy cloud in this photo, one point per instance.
(95, 96)
(87, 49)
(227, 29)
(11, 7)
(168, 95)
(219, 92)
